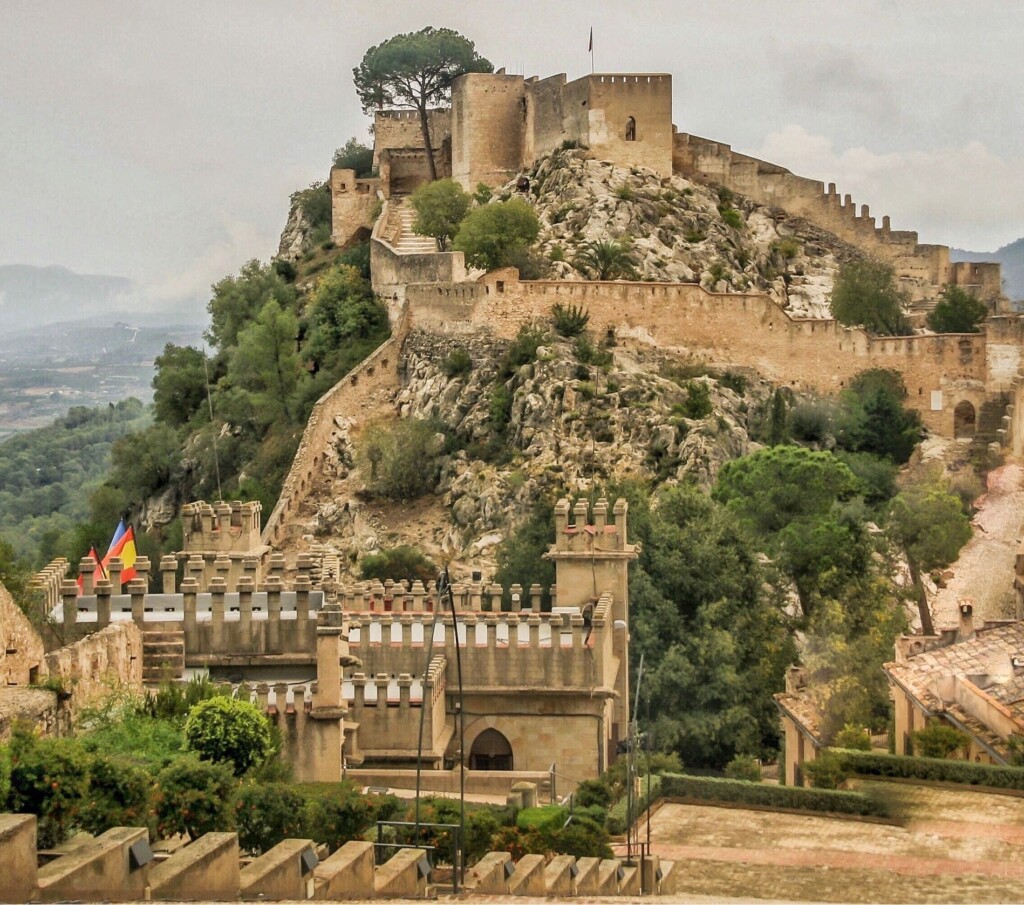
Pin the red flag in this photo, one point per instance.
(99, 570)
(123, 545)
(590, 46)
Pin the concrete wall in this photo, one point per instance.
(736, 329)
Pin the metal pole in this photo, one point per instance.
(460, 870)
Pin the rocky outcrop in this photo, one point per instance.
(295, 237)
(681, 231)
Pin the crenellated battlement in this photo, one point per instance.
(221, 527)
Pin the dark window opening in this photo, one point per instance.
(490, 751)
(631, 129)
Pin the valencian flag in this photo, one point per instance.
(122, 544)
(94, 556)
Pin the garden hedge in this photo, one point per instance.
(738, 791)
(865, 763)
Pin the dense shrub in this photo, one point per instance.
(398, 564)
(400, 461)
(267, 813)
(704, 788)
(698, 401)
(119, 795)
(229, 731)
(856, 738)
(456, 363)
(341, 818)
(569, 320)
(938, 740)
(932, 769)
(592, 792)
(193, 797)
(49, 778)
(743, 767)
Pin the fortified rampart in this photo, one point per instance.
(398, 129)
(750, 330)
(392, 269)
(352, 204)
(345, 405)
(774, 186)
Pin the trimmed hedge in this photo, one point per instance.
(963, 772)
(706, 788)
(615, 822)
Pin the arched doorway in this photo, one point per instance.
(490, 751)
(631, 129)
(964, 420)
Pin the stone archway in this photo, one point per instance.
(490, 751)
(631, 129)
(965, 420)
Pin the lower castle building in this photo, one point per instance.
(351, 674)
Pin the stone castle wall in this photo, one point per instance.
(347, 402)
(21, 648)
(747, 330)
(397, 129)
(775, 186)
(352, 203)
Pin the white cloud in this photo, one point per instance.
(965, 196)
(237, 242)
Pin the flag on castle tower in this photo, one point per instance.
(122, 544)
(590, 46)
(94, 556)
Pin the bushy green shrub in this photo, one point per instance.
(400, 460)
(341, 818)
(698, 401)
(227, 730)
(732, 217)
(267, 813)
(592, 792)
(541, 817)
(743, 767)
(701, 788)
(938, 740)
(569, 320)
(193, 797)
(962, 772)
(456, 363)
(119, 795)
(398, 564)
(856, 738)
(49, 778)
(826, 771)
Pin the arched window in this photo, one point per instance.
(490, 751)
(631, 129)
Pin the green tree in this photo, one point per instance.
(341, 817)
(346, 322)
(119, 795)
(958, 311)
(227, 730)
(398, 564)
(416, 70)
(440, 207)
(266, 362)
(929, 526)
(938, 739)
(606, 259)
(400, 461)
(354, 155)
(193, 797)
(865, 295)
(489, 235)
(179, 385)
(520, 555)
(268, 813)
(236, 301)
(874, 419)
(315, 204)
(141, 463)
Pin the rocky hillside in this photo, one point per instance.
(681, 231)
(571, 417)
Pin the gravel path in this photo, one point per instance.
(984, 571)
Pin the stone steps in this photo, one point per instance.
(408, 241)
(163, 655)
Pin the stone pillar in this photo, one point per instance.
(103, 589)
(168, 573)
(327, 714)
(218, 588)
(302, 589)
(114, 569)
(189, 590)
(245, 589)
(69, 603)
(87, 569)
(142, 569)
(137, 590)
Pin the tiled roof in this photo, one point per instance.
(802, 708)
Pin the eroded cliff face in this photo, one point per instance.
(554, 425)
(681, 231)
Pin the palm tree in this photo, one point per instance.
(606, 259)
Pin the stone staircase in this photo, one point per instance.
(409, 242)
(990, 420)
(163, 655)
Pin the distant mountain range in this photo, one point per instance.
(33, 297)
(1010, 256)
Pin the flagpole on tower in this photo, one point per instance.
(591, 49)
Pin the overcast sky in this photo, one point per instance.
(160, 139)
